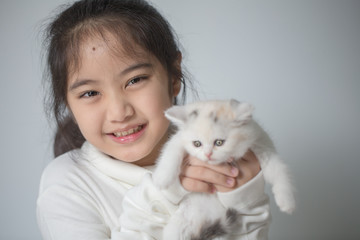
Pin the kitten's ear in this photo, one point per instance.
(242, 110)
(177, 115)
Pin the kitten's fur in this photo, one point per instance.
(221, 130)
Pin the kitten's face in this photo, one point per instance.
(212, 130)
(209, 141)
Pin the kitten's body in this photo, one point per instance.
(216, 131)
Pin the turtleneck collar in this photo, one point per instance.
(128, 173)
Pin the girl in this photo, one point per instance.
(114, 68)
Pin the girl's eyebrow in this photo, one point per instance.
(81, 82)
(135, 67)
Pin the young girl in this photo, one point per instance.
(114, 68)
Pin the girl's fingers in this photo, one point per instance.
(248, 166)
(207, 175)
(194, 185)
(219, 188)
(225, 168)
(197, 176)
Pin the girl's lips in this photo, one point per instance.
(128, 136)
(128, 132)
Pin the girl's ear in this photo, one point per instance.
(176, 85)
(177, 115)
(243, 111)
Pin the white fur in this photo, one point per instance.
(206, 122)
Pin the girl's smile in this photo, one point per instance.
(119, 101)
(128, 136)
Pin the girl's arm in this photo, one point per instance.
(64, 212)
(71, 205)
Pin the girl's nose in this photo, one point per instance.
(119, 109)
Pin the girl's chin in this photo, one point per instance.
(137, 158)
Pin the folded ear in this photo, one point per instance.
(243, 111)
(177, 115)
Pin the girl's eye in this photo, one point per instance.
(135, 80)
(219, 142)
(197, 143)
(89, 94)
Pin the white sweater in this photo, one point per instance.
(85, 194)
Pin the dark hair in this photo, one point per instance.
(132, 22)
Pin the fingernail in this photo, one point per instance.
(230, 181)
(234, 171)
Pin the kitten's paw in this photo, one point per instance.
(286, 202)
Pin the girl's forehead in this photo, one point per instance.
(118, 50)
(108, 44)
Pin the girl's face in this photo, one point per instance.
(118, 102)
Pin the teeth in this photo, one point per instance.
(125, 133)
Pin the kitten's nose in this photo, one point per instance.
(208, 155)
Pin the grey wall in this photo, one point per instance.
(298, 62)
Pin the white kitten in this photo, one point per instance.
(214, 132)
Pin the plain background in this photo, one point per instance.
(298, 62)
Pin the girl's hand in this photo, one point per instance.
(198, 176)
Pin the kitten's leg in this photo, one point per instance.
(169, 163)
(277, 174)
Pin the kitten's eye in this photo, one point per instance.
(197, 143)
(219, 142)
